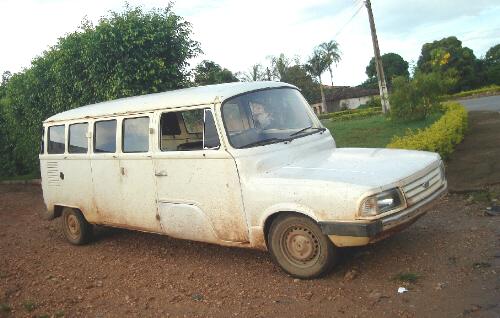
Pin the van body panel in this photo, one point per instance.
(208, 178)
(227, 194)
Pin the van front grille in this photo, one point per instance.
(424, 186)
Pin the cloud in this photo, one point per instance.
(394, 17)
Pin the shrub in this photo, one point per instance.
(415, 99)
(351, 114)
(488, 90)
(440, 137)
(374, 102)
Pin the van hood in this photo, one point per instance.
(365, 167)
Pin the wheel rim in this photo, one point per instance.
(72, 226)
(300, 246)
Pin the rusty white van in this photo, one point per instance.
(240, 164)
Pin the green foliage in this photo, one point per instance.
(29, 305)
(317, 63)
(128, 53)
(331, 51)
(488, 90)
(492, 65)
(407, 277)
(374, 131)
(208, 72)
(298, 76)
(5, 308)
(415, 99)
(394, 65)
(351, 114)
(279, 67)
(448, 57)
(441, 137)
(373, 102)
(256, 73)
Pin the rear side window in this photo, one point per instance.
(105, 136)
(56, 139)
(136, 134)
(42, 142)
(78, 138)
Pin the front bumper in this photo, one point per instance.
(361, 233)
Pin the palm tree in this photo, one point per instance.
(317, 65)
(332, 51)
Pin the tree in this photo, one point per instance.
(416, 98)
(492, 65)
(279, 66)
(316, 66)
(332, 54)
(128, 53)
(448, 57)
(298, 76)
(256, 73)
(394, 65)
(208, 72)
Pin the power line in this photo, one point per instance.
(350, 19)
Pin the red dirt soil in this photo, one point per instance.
(452, 252)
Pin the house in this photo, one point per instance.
(345, 97)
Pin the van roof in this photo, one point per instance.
(202, 95)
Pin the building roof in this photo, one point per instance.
(350, 92)
(202, 95)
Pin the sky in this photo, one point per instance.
(238, 34)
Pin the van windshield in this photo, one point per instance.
(267, 116)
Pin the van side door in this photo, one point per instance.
(198, 189)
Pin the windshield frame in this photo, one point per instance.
(316, 123)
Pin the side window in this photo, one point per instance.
(56, 140)
(136, 134)
(105, 136)
(42, 142)
(188, 130)
(193, 120)
(78, 138)
(210, 136)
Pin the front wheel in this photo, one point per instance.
(75, 228)
(300, 248)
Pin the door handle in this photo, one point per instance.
(161, 174)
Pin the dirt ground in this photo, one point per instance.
(449, 261)
(475, 162)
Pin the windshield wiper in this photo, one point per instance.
(306, 128)
(266, 141)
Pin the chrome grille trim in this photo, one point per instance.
(423, 186)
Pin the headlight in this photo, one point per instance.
(381, 202)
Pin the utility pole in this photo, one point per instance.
(384, 96)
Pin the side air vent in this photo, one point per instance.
(53, 178)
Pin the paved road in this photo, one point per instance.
(488, 103)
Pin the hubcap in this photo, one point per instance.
(73, 226)
(300, 246)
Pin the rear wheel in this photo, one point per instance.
(75, 228)
(299, 247)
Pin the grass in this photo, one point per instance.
(29, 305)
(5, 308)
(407, 277)
(372, 132)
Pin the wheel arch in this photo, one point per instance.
(273, 216)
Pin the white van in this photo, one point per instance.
(240, 164)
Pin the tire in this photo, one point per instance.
(299, 247)
(75, 228)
